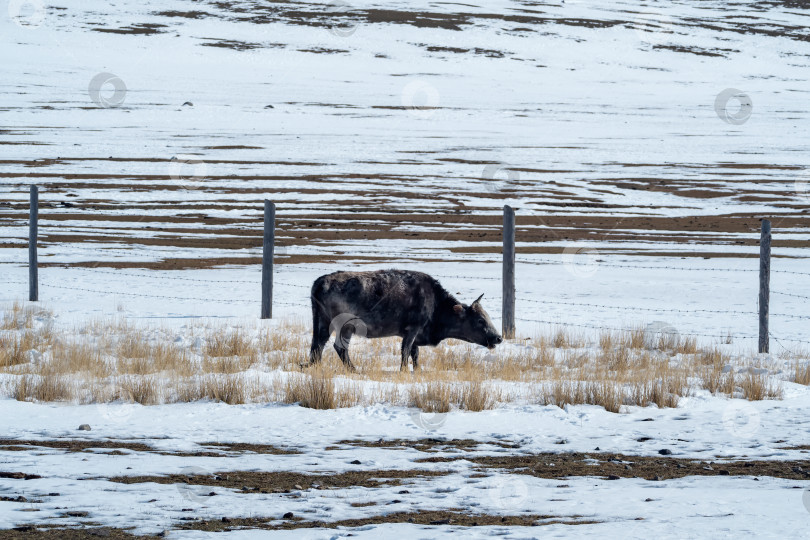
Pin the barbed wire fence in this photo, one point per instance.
(522, 296)
(34, 283)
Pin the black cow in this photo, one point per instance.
(387, 303)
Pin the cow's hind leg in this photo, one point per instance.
(407, 349)
(415, 357)
(342, 338)
(320, 335)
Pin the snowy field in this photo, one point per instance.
(629, 507)
(639, 143)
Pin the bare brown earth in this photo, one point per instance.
(142, 29)
(614, 466)
(423, 445)
(52, 533)
(545, 465)
(564, 464)
(284, 482)
(435, 518)
(212, 449)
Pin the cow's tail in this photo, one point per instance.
(320, 321)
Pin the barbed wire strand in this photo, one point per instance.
(657, 310)
(791, 294)
(684, 268)
(614, 329)
(777, 340)
(540, 321)
(530, 300)
(165, 297)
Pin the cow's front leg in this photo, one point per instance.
(415, 357)
(407, 347)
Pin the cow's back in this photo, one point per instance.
(387, 301)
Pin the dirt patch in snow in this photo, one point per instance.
(438, 517)
(19, 475)
(146, 29)
(425, 445)
(435, 518)
(615, 466)
(284, 481)
(232, 44)
(212, 449)
(51, 533)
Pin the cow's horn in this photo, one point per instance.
(478, 299)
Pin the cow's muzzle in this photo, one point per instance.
(497, 340)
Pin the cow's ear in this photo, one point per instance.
(459, 309)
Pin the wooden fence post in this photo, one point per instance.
(33, 219)
(508, 312)
(764, 284)
(267, 259)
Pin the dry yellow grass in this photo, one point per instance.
(801, 373)
(477, 396)
(225, 342)
(230, 389)
(320, 390)
(756, 386)
(41, 388)
(434, 397)
(137, 355)
(13, 351)
(19, 316)
(140, 389)
(108, 360)
(635, 338)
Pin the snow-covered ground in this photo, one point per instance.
(593, 110)
(702, 428)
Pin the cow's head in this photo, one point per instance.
(475, 326)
